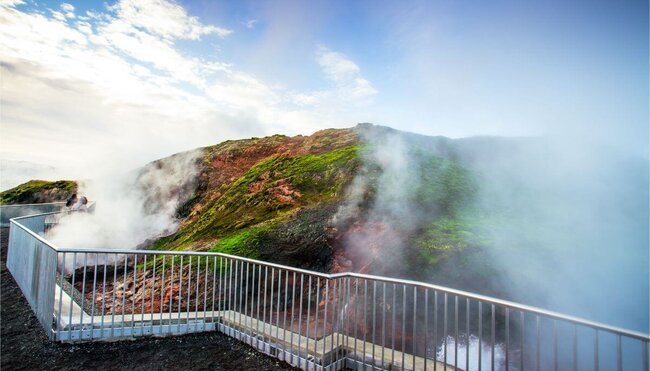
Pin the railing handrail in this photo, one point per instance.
(490, 300)
(35, 204)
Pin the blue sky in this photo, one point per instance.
(155, 77)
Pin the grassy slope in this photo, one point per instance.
(39, 191)
(238, 213)
(249, 214)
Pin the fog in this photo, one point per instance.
(571, 224)
(562, 222)
(131, 206)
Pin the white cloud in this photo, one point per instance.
(349, 85)
(164, 18)
(335, 65)
(67, 7)
(114, 85)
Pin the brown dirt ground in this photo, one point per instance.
(24, 346)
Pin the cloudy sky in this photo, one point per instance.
(120, 83)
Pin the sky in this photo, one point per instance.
(92, 84)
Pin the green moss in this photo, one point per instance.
(243, 243)
(28, 192)
(273, 190)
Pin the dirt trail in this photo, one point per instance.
(23, 345)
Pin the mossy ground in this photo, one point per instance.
(39, 190)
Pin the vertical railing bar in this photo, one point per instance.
(325, 318)
(196, 294)
(521, 340)
(153, 290)
(162, 294)
(426, 328)
(284, 320)
(467, 328)
(189, 295)
(171, 293)
(374, 310)
(113, 299)
(83, 298)
(619, 355)
(246, 302)
(271, 304)
(259, 290)
(308, 315)
(415, 306)
(316, 323)
(103, 299)
(180, 291)
(507, 338)
(240, 287)
(59, 320)
(334, 306)
(126, 257)
(383, 326)
(339, 318)
(277, 316)
(456, 331)
(444, 331)
(241, 298)
(435, 330)
(293, 298)
(575, 348)
(644, 354)
(316, 309)
(302, 277)
(346, 328)
(480, 335)
(221, 292)
(205, 293)
(555, 360)
(135, 268)
(92, 304)
(74, 272)
(230, 303)
(493, 314)
(235, 287)
(356, 316)
(252, 306)
(144, 290)
(214, 287)
(266, 275)
(336, 292)
(403, 325)
(365, 320)
(537, 344)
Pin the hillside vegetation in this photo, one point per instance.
(280, 198)
(39, 191)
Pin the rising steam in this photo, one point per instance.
(133, 207)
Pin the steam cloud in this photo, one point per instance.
(132, 207)
(563, 222)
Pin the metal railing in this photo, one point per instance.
(8, 212)
(311, 320)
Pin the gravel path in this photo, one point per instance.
(23, 345)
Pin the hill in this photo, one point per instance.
(39, 191)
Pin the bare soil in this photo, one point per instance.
(24, 346)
